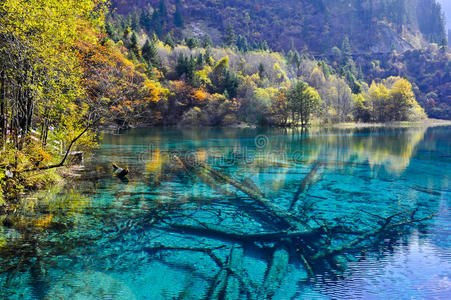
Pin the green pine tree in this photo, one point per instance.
(168, 40)
(134, 48)
(150, 53)
(206, 42)
(178, 18)
(230, 37)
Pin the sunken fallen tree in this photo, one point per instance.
(286, 235)
(236, 223)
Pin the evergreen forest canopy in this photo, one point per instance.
(68, 66)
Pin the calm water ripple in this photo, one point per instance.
(175, 229)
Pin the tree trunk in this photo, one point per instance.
(3, 110)
(64, 158)
(44, 128)
(15, 125)
(308, 179)
(275, 273)
(290, 220)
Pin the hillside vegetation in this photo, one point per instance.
(384, 37)
(86, 68)
(372, 25)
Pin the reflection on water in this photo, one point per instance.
(179, 230)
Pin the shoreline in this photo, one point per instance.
(347, 125)
(427, 122)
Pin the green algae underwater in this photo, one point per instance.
(211, 213)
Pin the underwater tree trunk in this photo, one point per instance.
(290, 220)
(275, 273)
(308, 179)
(233, 288)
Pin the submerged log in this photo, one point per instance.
(247, 181)
(386, 226)
(219, 284)
(234, 236)
(242, 276)
(208, 180)
(181, 163)
(233, 288)
(426, 190)
(275, 273)
(307, 266)
(305, 183)
(290, 220)
(218, 289)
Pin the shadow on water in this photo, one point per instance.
(241, 214)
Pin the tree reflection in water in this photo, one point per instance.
(228, 215)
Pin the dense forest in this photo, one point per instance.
(386, 37)
(316, 25)
(68, 68)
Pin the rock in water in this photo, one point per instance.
(119, 172)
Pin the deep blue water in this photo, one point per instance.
(134, 239)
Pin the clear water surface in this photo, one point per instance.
(99, 237)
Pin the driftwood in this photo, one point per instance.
(384, 227)
(221, 287)
(207, 179)
(250, 184)
(427, 191)
(307, 266)
(219, 284)
(183, 165)
(308, 179)
(246, 284)
(230, 235)
(233, 288)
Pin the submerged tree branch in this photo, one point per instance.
(284, 216)
(386, 226)
(308, 179)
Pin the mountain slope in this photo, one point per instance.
(377, 26)
(383, 37)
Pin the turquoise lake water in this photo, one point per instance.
(175, 229)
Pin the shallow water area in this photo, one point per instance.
(243, 214)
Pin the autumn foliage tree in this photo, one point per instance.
(41, 74)
(117, 87)
(303, 101)
(391, 99)
(44, 105)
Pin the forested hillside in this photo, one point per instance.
(62, 78)
(383, 37)
(377, 26)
